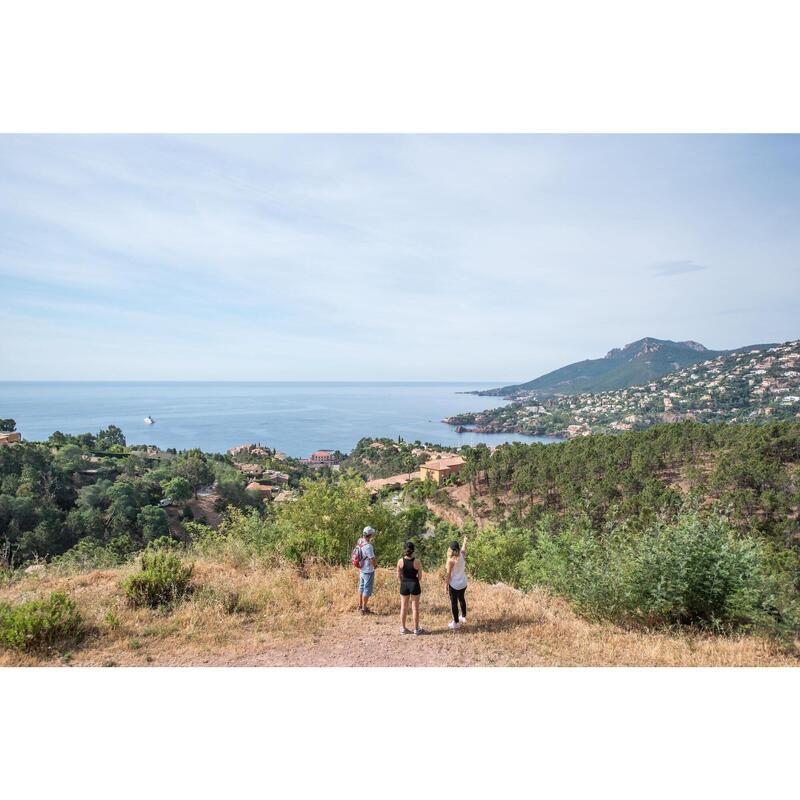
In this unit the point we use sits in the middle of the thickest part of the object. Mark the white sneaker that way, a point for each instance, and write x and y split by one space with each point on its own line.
462 619
404 631
454 626
419 631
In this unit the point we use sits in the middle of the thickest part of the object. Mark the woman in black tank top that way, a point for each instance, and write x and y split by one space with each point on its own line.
409 571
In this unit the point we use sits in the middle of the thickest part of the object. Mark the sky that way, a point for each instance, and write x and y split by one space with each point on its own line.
377 257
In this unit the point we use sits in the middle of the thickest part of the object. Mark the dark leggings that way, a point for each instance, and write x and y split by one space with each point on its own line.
457 598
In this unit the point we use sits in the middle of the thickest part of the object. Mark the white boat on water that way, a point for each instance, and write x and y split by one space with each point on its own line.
148 420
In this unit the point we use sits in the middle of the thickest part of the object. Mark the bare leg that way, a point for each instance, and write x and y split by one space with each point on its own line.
415 610
403 609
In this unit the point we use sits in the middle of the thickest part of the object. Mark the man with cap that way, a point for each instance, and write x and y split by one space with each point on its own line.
366 580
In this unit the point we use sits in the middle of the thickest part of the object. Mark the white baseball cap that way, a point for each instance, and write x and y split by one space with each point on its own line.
368 531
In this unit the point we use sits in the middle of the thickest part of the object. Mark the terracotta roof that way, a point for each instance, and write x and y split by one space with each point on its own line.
444 463
259 487
394 480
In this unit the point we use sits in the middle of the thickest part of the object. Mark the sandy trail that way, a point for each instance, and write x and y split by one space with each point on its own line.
374 640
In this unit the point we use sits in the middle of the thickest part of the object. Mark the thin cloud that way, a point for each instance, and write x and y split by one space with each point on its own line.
379 257
666 269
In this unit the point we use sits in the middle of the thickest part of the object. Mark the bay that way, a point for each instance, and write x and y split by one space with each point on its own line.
294 417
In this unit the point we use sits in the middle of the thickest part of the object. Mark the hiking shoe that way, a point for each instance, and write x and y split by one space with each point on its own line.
367 611
462 619
404 631
418 631
454 626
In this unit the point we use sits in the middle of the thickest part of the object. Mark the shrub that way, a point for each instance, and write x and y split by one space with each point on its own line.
699 571
242 536
695 571
163 580
494 554
91 554
40 624
327 519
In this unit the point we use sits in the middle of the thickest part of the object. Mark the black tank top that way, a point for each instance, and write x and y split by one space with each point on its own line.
409 572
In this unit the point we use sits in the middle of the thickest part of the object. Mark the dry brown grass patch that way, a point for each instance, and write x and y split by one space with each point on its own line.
258 615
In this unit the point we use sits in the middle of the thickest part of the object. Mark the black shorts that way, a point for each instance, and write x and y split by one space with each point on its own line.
410 587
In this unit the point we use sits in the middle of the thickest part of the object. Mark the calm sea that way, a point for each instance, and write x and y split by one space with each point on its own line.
296 418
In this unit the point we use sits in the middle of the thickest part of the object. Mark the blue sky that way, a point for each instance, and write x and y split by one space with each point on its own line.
387 257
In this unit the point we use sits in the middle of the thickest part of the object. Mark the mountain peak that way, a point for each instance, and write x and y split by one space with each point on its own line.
701 348
649 344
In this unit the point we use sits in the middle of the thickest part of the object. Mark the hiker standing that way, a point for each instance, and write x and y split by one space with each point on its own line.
366 563
409 571
456 582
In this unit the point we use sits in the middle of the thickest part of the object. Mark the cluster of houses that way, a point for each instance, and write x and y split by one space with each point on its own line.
729 388
256 450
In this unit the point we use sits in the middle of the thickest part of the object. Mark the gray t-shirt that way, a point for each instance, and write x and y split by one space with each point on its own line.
367 552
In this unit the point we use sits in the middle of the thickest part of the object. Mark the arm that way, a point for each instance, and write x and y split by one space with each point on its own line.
448 573
464 545
399 568
418 566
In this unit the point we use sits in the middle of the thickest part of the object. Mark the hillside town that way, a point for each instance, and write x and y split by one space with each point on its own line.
750 386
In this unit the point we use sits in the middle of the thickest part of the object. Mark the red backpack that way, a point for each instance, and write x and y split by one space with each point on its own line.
356 557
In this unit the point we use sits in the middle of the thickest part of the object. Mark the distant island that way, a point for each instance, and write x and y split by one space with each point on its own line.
752 384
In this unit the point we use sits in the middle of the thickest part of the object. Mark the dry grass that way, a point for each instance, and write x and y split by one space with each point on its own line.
252 615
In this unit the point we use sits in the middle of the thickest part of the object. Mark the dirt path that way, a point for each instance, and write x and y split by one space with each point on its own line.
374 641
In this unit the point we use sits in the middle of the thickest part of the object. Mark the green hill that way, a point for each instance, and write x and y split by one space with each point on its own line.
637 363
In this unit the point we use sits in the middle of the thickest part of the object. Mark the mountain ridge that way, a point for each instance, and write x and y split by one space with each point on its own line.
637 362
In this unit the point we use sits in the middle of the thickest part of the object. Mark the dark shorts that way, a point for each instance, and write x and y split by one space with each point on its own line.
410 588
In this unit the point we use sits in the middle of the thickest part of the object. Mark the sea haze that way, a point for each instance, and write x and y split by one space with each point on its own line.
295 417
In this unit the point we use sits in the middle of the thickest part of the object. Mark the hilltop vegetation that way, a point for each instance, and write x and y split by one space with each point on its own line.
743 386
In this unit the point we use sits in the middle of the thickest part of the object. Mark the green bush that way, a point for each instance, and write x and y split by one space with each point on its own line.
494 554
41 624
327 519
163 580
91 554
242 537
697 570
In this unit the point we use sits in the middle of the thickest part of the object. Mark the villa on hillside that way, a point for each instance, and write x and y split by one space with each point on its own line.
394 481
439 469
10 437
263 488
320 458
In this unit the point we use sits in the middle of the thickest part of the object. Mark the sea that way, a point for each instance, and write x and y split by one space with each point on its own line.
296 418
